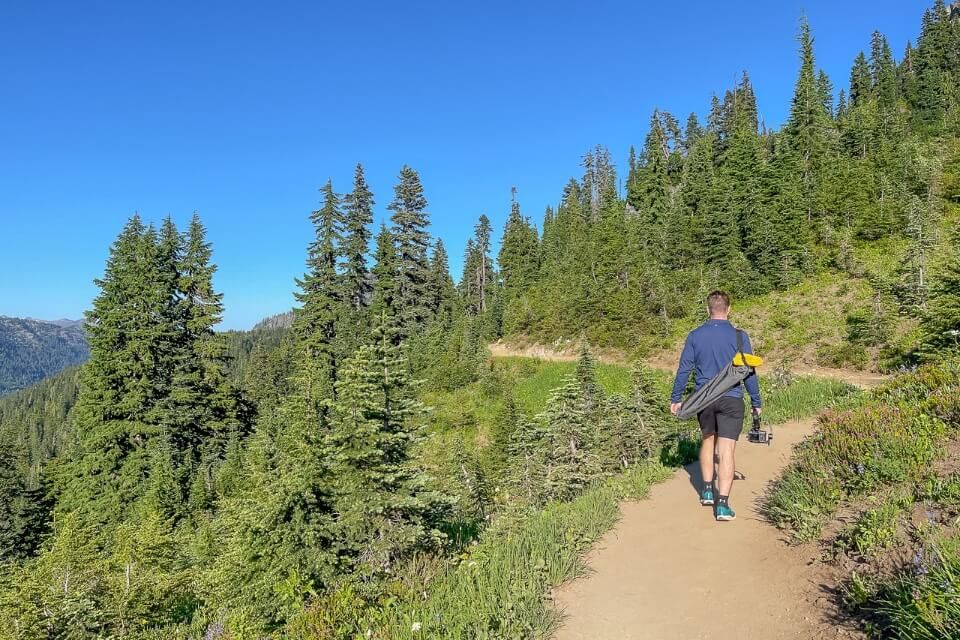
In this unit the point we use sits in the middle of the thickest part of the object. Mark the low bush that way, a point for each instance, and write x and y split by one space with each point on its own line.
890 439
497 591
921 601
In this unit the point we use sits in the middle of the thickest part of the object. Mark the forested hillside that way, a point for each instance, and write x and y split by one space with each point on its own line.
31 350
292 481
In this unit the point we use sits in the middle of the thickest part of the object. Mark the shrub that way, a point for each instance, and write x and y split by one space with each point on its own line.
891 439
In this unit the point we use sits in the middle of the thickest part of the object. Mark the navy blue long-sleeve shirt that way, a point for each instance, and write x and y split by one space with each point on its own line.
708 349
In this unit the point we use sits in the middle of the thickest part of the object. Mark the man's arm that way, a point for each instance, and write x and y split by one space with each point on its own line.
683 372
752 382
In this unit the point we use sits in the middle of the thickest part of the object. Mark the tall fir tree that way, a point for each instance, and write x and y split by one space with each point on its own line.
410 221
386 269
358 216
807 125
383 500
124 382
316 320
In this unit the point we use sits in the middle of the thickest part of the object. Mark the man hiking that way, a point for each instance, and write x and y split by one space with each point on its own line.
708 349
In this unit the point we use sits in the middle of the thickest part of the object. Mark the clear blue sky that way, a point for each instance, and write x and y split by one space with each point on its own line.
241 110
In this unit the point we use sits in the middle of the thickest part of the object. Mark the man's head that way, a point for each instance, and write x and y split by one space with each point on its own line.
718 304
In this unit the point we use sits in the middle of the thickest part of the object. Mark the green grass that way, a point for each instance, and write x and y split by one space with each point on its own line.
875 529
533 392
802 396
889 439
498 590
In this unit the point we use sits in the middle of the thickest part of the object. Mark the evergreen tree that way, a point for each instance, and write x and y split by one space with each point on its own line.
443 294
825 91
941 321
883 71
383 502
412 239
358 216
23 511
204 408
478 276
806 127
519 257
691 133
861 82
571 460
316 320
386 270
124 383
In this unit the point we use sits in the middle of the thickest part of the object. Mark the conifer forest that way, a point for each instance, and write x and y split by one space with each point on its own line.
363 468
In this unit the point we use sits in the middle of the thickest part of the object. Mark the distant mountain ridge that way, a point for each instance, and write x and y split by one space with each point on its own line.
278 321
31 350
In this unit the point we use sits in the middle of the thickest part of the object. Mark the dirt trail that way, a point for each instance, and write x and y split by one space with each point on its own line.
668 571
668 362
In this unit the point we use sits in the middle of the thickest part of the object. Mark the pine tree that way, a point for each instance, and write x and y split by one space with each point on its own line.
691 133
386 270
204 408
315 322
883 71
825 92
382 495
358 216
806 127
630 434
649 195
941 321
478 277
519 257
586 376
528 449
124 382
861 82
443 294
571 462
23 511
412 239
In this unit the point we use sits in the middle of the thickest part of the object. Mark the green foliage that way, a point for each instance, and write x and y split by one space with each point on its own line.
342 512
31 350
875 529
941 322
921 600
497 590
412 239
888 441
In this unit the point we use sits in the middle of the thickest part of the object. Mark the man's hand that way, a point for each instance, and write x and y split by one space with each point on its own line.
675 407
757 410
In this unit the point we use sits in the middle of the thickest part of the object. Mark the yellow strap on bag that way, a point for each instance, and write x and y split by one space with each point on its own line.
751 360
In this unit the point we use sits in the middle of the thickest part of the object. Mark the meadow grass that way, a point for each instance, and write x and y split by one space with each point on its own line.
802 396
498 590
889 438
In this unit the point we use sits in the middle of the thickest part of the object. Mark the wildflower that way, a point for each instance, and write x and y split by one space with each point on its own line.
214 631
920 567
415 627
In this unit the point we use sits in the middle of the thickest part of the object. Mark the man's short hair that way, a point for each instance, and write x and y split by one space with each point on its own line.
718 301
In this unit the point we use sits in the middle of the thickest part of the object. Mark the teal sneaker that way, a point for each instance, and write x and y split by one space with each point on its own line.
706 497
723 513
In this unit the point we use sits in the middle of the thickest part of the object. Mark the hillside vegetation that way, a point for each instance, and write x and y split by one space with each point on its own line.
878 485
370 472
31 350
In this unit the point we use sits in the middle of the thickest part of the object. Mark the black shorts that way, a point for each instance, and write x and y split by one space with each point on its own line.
724 417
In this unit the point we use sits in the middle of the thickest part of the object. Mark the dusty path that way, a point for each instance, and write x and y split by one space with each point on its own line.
668 362
667 571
